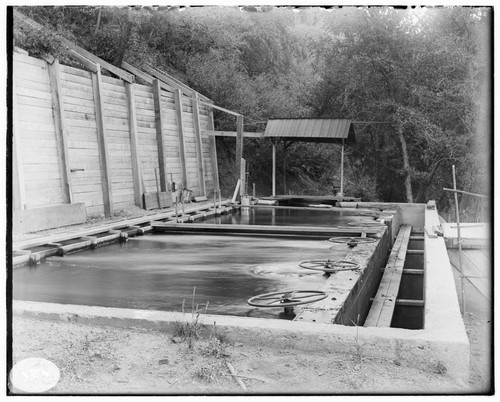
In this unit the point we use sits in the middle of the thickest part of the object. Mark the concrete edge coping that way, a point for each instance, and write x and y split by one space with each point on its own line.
424 349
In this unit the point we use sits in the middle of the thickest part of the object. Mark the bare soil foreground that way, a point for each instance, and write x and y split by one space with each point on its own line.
105 360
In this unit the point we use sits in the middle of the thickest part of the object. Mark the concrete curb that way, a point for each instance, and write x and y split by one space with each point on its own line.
432 351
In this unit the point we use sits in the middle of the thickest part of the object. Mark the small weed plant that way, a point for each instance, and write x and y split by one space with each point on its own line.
358 346
189 327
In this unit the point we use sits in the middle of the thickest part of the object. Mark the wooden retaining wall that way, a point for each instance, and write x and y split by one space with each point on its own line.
81 137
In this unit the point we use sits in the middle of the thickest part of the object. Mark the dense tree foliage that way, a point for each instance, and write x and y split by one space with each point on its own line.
417 83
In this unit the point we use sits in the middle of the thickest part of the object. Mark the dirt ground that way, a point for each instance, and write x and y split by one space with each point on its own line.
133 361
96 360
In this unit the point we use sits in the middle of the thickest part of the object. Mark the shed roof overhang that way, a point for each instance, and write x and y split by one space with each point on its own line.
311 130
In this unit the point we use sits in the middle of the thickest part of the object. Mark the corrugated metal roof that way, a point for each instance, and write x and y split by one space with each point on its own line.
317 130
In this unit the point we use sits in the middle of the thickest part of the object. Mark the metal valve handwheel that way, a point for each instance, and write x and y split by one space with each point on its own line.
352 241
366 224
329 266
287 299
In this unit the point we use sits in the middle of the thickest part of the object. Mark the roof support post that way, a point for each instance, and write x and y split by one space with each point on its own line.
284 167
239 142
342 170
274 169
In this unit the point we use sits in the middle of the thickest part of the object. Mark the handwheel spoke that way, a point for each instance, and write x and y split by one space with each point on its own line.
275 301
273 297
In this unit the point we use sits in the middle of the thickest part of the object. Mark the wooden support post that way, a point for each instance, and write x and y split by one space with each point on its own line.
134 146
243 177
342 170
238 184
180 130
19 190
159 133
61 132
459 239
239 142
284 167
101 139
274 169
199 144
213 154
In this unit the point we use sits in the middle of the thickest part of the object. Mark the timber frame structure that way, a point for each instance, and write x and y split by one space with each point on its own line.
78 137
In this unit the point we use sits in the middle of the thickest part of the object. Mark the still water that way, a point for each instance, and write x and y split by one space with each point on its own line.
159 271
287 217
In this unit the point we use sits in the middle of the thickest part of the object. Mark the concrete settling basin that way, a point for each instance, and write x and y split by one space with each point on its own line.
376 273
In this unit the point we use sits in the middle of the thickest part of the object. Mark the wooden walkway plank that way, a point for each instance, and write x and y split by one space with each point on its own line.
382 309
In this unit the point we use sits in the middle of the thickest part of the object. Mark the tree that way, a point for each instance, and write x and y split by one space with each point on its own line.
396 67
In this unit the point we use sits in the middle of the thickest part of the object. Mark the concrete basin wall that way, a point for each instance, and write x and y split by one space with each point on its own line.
441 346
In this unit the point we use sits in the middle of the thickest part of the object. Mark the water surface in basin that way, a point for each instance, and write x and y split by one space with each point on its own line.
159 271
288 217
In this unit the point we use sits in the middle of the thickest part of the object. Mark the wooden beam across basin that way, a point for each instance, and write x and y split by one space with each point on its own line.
264 229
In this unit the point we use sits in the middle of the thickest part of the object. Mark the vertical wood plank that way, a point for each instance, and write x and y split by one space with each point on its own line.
101 139
159 133
239 142
180 130
19 190
61 131
213 153
134 148
199 144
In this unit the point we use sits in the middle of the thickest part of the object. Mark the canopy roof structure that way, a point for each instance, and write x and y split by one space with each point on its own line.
312 130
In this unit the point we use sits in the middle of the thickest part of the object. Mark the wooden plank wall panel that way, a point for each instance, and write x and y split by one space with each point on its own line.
191 156
148 150
83 151
118 140
205 124
171 140
36 132
39 146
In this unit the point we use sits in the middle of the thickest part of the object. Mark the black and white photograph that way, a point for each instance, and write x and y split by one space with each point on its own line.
249 200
